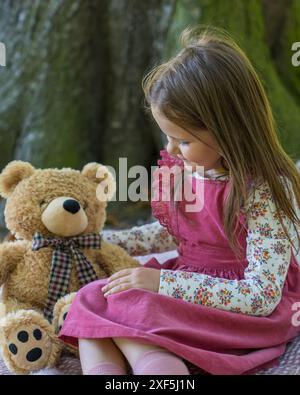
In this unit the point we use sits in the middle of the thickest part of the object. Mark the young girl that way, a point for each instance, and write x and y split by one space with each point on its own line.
226 302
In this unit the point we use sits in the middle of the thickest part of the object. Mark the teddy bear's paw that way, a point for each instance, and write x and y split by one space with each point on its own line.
61 310
29 346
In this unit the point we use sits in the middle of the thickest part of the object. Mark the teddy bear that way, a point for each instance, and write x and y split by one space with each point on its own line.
56 217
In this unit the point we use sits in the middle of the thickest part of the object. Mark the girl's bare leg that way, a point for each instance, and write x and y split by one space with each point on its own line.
95 351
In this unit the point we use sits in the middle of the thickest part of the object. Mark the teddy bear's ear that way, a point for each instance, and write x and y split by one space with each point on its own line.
12 174
101 175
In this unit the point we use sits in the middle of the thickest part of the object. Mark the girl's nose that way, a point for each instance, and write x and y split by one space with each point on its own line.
172 148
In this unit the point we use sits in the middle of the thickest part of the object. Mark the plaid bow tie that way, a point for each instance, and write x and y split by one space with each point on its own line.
61 266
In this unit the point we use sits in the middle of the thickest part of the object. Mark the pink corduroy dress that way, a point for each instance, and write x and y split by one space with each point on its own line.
215 340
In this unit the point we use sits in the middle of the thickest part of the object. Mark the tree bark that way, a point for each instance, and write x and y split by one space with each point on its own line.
71 91
282 33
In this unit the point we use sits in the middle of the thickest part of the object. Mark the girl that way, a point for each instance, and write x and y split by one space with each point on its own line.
226 302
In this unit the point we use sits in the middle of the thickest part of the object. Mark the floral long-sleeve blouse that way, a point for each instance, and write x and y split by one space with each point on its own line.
268 255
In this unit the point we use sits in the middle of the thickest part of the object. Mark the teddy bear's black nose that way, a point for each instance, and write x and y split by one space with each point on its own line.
71 205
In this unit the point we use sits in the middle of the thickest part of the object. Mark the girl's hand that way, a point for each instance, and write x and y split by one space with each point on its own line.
140 277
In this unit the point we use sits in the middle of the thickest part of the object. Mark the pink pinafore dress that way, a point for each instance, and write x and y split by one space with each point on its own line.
214 340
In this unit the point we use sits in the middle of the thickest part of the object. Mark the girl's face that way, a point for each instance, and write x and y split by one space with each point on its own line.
191 150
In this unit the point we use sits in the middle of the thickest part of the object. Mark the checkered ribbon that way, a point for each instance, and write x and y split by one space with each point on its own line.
65 250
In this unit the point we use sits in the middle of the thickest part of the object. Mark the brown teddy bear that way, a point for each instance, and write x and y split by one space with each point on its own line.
56 217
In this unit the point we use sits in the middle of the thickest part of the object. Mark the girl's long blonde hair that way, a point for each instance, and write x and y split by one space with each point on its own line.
211 84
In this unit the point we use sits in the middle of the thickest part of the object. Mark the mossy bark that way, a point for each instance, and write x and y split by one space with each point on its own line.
71 90
286 31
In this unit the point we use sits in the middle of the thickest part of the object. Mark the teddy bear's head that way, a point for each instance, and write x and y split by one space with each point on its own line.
62 202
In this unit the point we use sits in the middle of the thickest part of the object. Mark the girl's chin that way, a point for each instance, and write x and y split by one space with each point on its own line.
190 164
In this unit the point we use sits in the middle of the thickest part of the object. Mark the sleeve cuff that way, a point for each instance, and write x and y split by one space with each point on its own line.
165 282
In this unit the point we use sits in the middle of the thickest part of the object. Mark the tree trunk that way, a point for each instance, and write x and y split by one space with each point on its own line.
282 33
71 91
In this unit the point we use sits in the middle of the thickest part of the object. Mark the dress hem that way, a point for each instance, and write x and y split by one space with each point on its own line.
72 334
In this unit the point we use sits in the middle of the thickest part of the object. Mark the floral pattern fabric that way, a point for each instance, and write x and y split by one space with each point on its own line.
142 240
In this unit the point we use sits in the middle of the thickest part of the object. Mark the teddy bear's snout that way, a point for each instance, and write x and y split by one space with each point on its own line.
64 216
71 205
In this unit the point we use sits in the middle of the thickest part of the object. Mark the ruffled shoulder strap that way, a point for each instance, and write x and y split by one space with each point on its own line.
169 160
161 209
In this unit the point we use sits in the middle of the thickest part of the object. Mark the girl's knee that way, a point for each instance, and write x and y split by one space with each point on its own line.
95 351
125 342
132 349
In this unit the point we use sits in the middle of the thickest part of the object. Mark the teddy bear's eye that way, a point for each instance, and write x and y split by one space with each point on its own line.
42 203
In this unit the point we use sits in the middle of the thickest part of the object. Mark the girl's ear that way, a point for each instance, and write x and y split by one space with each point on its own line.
100 174
12 174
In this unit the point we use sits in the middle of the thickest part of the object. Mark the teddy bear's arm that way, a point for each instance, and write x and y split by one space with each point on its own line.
112 258
11 253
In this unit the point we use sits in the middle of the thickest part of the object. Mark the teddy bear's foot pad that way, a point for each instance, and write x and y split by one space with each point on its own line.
30 339
28 345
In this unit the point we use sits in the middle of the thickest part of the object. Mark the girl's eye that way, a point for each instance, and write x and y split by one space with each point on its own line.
184 143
